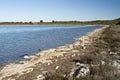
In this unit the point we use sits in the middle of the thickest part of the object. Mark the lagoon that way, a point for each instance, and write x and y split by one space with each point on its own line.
16 41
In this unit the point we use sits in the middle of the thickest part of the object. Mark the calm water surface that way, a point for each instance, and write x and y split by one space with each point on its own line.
16 41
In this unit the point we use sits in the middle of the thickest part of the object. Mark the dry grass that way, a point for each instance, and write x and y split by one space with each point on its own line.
98 52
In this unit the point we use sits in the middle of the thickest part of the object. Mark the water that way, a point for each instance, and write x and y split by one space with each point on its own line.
16 41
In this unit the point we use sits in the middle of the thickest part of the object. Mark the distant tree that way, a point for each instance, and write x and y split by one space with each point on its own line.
25 22
30 22
41 21
53 21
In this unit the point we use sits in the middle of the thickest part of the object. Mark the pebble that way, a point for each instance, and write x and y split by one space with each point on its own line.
40 77
57 67
26 57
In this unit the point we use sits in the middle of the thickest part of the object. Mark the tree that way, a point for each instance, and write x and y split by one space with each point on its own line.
30 22
53 21
41 21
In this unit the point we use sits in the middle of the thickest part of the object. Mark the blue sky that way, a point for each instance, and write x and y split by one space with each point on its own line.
60 10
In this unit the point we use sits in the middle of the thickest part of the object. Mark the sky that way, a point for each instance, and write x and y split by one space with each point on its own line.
58 10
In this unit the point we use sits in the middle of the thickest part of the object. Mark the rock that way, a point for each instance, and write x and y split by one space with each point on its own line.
73 55
76 44
50 58
26 57
56 60
57 67
83 65
77 64
40 77
80 70
11 79
83 71
28 70
82 38
113 53
116 64
48 64
103 62
52 50
71 46
84 47
44 72
42 54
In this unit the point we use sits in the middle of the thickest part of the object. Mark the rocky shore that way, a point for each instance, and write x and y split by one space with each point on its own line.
61 60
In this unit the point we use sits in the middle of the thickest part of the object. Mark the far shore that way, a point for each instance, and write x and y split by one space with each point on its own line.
96 22
49 25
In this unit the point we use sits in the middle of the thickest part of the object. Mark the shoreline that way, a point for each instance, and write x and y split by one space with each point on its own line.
52 25
47 55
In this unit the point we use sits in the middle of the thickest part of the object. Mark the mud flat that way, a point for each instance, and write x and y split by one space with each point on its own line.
48 56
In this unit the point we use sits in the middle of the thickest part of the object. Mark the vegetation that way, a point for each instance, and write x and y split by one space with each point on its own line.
41 21
116 21
53 22
112 37
98 53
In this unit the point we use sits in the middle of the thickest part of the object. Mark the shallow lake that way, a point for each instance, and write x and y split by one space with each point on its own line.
16 41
